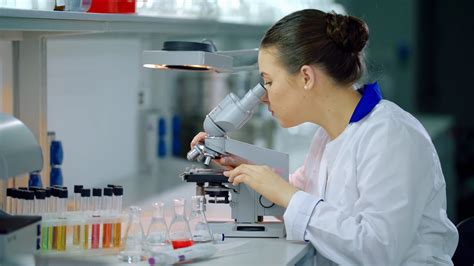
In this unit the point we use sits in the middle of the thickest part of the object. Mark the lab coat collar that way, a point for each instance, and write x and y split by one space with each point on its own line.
371 96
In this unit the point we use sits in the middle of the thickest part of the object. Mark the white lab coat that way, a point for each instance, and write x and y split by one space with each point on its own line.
375 195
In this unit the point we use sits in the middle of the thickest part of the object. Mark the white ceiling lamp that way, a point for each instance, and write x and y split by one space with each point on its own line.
196 56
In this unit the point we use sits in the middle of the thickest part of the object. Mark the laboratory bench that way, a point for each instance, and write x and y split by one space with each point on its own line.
144 190
234 251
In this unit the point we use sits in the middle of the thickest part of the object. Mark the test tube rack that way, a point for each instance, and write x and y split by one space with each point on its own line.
80 233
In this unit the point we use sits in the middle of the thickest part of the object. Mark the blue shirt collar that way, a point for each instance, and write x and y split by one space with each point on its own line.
371 96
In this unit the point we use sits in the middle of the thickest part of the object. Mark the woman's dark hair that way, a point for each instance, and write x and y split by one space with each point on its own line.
312 37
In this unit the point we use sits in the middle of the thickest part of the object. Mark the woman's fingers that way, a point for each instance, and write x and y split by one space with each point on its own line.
198 138
232 160
241 173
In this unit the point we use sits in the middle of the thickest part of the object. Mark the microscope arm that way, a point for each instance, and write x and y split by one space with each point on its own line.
254 154
232 113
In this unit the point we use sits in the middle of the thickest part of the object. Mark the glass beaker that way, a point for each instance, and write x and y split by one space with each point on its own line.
197 221
132 241
157 237
180 234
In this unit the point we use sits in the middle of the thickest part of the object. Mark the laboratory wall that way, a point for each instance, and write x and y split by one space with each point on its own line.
93 84
6 76
445 84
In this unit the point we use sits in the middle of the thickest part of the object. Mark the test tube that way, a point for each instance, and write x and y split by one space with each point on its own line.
54 212
14 200
61 228
107 208
19 201
76 235
47 231
40 203
8 206
77 196
41 209
96 207
117 206
85 207
28 204
49 200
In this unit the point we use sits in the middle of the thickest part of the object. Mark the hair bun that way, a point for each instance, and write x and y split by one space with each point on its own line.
349 33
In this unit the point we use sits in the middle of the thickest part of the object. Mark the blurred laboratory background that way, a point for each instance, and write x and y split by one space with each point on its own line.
77 73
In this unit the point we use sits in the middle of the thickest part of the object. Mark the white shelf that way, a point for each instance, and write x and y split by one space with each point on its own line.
36 20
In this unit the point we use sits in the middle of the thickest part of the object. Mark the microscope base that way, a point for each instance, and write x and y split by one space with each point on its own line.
258 230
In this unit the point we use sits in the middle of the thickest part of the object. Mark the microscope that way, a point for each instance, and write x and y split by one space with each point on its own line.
248 208
20 153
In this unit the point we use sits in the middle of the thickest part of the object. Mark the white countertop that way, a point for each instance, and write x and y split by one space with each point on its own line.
139 191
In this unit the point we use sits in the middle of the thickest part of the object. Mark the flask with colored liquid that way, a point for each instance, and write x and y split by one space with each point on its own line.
180 233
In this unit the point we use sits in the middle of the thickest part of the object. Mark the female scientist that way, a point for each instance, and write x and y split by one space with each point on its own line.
371 190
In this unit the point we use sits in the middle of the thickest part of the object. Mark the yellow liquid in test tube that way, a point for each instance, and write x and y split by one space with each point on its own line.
50 237
86 237
61 238
55 237
117 234
76 235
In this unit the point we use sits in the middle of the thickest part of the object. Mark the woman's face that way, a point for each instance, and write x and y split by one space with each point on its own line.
285 94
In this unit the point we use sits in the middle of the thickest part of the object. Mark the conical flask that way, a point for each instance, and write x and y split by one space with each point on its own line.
157 237
180 234
132 249
197 221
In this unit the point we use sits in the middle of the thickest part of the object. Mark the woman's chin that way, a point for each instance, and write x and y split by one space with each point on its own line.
286 124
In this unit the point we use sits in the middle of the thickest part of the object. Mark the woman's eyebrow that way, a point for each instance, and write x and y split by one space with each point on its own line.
263 74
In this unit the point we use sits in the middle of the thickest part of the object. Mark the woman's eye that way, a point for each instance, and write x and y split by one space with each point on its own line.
268 83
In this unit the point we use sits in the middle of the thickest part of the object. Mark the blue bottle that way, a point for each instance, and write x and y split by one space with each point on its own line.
56 160
56 176
176 140
161 132
35 180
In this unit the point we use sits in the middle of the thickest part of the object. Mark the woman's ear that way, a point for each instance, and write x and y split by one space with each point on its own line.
308 75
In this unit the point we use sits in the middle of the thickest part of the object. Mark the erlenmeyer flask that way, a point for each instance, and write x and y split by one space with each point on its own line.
132 242
157 238
180 234
197 221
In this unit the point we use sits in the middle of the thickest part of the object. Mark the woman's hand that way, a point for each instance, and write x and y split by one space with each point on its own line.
199 138
227 162
265 181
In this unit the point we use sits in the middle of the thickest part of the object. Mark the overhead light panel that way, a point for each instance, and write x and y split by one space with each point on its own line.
194 56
